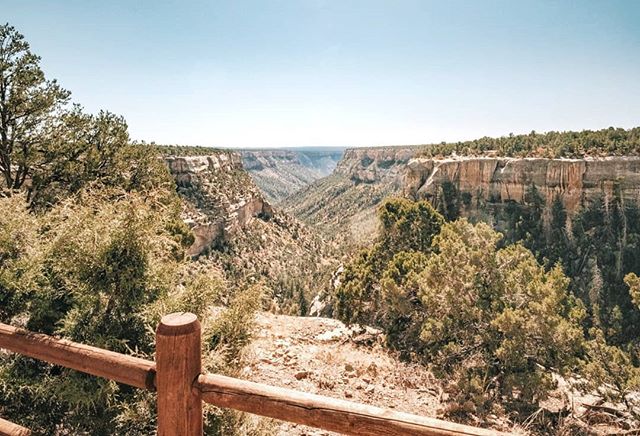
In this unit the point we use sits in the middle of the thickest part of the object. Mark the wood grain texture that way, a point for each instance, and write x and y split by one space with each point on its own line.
323 412
178 365
8 428
125 369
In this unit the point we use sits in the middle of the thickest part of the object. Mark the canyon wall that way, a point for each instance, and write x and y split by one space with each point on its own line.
376 164
219 196
498 180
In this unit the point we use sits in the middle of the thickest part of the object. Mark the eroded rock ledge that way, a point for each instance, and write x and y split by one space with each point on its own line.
500 179
219 195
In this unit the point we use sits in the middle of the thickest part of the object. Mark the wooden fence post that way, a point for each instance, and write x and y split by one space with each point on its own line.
178 365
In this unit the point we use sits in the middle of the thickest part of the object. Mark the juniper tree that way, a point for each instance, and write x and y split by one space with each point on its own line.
29 103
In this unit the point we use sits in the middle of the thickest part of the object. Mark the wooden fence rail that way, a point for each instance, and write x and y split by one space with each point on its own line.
181 388
10 429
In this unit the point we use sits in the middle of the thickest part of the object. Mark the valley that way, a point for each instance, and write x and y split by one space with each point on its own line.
183 267
281 173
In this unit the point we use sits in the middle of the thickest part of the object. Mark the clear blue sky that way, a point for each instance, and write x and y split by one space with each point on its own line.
314 72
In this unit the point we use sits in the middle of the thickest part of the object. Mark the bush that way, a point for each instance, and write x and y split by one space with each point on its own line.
496 321
490 321
87 270
405 227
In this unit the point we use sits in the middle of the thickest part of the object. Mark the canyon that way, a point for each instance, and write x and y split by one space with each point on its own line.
280 173
345 202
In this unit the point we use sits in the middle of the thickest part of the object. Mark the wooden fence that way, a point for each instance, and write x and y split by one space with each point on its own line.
181 387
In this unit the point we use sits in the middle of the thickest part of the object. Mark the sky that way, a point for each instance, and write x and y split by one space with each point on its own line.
285 73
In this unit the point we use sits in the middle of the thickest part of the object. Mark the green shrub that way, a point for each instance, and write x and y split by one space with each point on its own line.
496 322
405 227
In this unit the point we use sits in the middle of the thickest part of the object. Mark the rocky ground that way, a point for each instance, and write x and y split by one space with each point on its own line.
322 356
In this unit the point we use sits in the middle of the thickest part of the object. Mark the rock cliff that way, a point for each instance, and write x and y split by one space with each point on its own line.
374 165
219 197
498 180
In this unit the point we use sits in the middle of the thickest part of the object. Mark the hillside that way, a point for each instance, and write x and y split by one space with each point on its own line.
280 173
344 203
239 231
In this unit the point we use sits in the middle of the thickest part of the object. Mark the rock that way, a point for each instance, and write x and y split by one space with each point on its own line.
332 335
319 306
369 165
301 375
369 389
497 180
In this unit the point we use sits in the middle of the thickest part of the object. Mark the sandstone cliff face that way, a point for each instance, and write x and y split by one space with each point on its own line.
219 197
371 165
498 180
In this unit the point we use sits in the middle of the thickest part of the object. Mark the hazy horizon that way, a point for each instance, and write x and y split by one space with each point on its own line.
318 73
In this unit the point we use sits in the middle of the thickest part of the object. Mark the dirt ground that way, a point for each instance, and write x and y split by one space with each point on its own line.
322 356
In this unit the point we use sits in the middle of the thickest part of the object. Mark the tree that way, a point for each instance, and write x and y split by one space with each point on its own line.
29 103
557 249
405 227
495 320
96 150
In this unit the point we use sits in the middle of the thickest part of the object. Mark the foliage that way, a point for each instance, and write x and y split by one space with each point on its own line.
186 150
496 321
405 226
102 272
402 313
489 320
18 244
92 150
633 281
29 103
225 338
94 266
605 142
610 371
596 247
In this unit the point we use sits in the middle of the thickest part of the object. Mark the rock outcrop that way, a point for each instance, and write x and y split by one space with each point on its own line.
372 165
498 180
220 198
